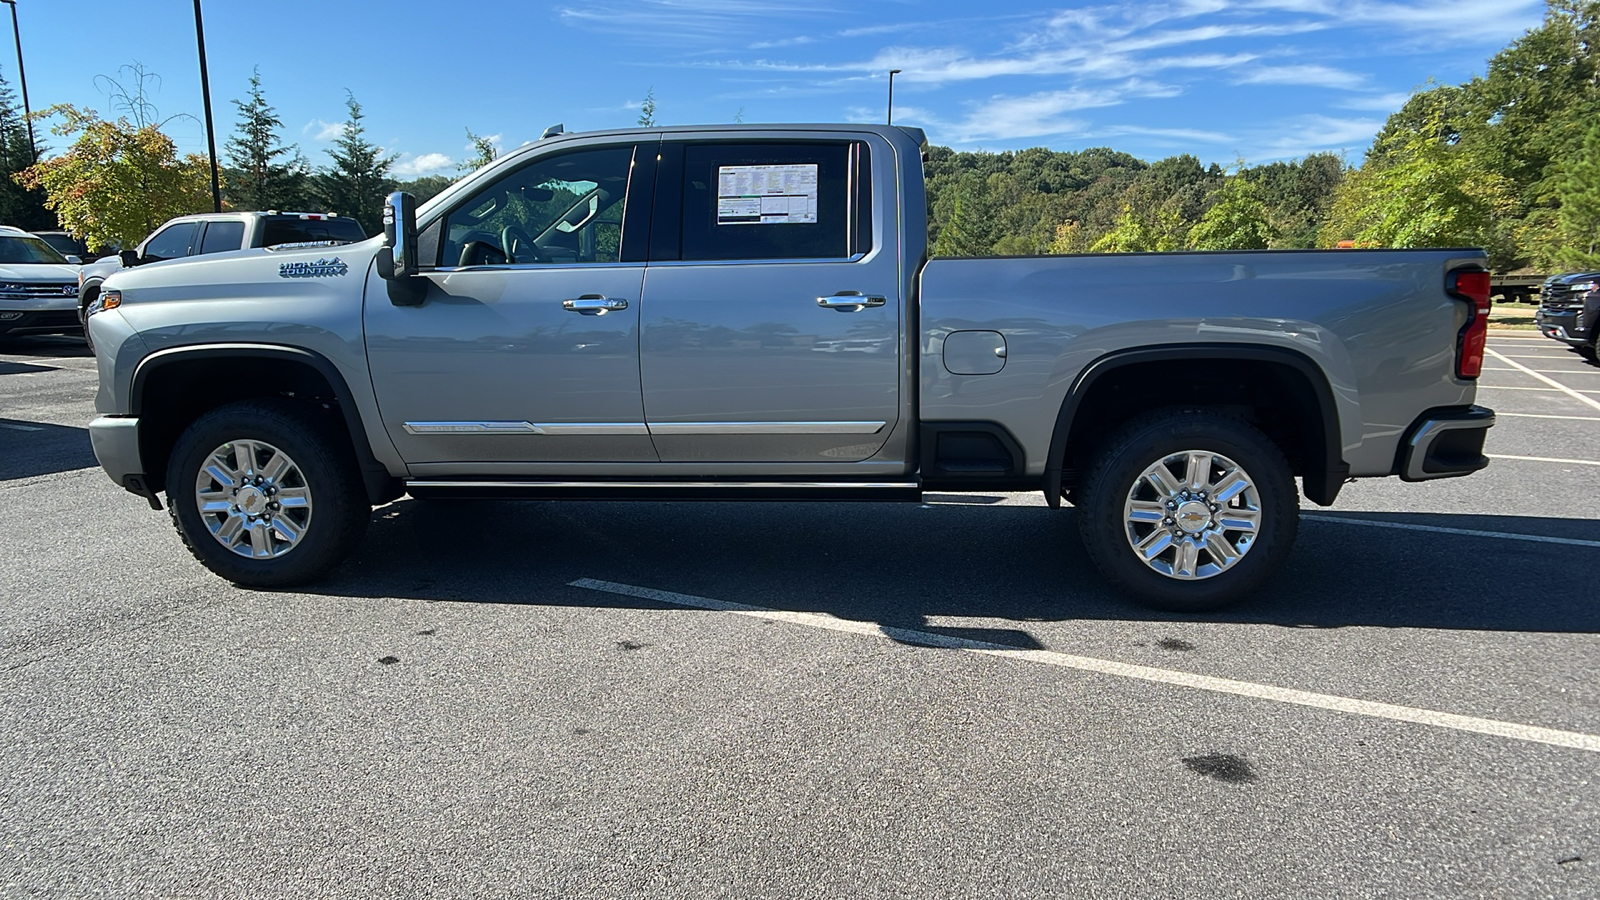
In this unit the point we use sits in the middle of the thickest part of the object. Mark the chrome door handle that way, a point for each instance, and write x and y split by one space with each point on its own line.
850 301
594 304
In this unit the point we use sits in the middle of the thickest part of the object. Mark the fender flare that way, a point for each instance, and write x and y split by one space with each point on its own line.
1326 470
381 487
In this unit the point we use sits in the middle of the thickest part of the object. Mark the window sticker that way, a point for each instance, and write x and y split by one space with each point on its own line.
767 195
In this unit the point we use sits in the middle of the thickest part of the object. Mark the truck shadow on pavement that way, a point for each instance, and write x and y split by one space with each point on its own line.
904 565
29 449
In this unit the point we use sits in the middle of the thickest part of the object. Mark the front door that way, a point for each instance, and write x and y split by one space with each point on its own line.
771 321
526 348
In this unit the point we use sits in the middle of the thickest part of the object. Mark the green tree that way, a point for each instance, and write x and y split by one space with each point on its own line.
19 205
1237 220
262 172
355 183
117 181
955 238
647 109
1421 191
483 152
425 187
1578 221
1158 232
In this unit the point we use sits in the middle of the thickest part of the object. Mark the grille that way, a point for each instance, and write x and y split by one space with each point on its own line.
15 291
1560 296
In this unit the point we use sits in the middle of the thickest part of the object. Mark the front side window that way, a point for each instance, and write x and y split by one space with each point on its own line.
222 236
768 201
171 242
560 209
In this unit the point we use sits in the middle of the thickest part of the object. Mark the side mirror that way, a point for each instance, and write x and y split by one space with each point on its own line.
74 260
130 258
397 258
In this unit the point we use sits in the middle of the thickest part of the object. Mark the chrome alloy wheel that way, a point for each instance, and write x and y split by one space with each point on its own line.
253 499
1193 514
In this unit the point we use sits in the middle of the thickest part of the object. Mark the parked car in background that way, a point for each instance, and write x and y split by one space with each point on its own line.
38 286
1569 311
217 233
67 245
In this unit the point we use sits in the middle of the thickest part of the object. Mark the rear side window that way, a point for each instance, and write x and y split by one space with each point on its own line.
295 230
171 242
222 236
772 201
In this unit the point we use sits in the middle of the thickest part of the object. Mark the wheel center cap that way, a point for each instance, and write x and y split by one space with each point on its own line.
1193 516
252 501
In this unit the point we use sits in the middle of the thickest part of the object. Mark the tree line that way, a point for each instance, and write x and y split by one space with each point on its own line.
1509 161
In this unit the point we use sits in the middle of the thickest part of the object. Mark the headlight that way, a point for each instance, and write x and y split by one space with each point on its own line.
1583 287
106 300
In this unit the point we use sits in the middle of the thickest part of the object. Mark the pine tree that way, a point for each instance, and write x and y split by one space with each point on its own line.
18 205
355 184
483 152
262 172
1579 217
647 109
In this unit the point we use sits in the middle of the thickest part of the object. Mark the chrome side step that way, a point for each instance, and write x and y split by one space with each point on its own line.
533 489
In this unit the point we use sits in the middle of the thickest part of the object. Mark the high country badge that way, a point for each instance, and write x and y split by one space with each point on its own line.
322 268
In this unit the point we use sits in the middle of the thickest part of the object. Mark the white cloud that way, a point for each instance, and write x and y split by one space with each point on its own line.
323 131
1384 103
408 166
1308 75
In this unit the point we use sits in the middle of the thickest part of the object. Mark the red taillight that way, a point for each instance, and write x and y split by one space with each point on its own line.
1472 287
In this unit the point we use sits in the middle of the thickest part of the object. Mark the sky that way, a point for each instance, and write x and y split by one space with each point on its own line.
1224 80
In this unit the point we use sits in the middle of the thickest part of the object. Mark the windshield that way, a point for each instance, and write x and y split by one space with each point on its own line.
23 250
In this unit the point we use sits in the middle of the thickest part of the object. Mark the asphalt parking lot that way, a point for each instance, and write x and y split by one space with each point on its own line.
804 700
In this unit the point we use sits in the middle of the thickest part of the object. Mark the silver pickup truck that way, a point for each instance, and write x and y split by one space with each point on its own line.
738 313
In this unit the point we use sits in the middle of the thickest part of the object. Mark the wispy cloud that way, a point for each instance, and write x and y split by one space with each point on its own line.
322 131
1305 75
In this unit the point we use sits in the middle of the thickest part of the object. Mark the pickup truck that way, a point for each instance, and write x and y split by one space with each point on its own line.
749 313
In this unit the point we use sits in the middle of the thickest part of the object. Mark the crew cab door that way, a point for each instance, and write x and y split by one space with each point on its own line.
771 318
526 346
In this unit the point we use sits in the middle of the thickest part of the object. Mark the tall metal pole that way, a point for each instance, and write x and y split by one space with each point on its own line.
892 74
22 76
205 96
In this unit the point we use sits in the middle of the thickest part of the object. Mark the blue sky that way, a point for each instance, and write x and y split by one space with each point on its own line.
1221 79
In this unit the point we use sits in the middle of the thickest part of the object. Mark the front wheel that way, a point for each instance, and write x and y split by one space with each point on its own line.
1188 510
266 493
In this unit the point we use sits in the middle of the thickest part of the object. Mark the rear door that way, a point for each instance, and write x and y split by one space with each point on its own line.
771 322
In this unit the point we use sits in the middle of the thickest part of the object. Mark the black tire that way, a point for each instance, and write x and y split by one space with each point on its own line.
1591 350
339 513
1117 469
83 314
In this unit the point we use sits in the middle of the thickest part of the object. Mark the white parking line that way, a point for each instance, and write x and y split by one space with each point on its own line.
20 427
1546 379
1507 387
1542 416
1573 739
1441 529
1573 462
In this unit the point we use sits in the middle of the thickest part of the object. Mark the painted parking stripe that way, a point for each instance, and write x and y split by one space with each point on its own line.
1544 378
1441 529
1504 415
1514 730
1548 459
1507 387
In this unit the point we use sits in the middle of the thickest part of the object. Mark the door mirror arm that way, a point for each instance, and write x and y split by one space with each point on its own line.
397 258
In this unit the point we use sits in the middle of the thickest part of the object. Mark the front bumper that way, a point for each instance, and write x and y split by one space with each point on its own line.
1564 325
39 320
1445 443
115 440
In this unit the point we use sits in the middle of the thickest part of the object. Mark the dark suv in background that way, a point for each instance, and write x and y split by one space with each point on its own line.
1569 311
217 233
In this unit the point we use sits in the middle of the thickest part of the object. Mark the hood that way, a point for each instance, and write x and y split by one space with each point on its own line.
34 273
1574 278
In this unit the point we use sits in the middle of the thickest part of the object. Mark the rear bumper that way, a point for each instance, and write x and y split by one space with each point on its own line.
1445 443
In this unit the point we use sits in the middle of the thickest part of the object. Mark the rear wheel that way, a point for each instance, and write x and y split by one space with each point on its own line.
1188 510
83 314
266 493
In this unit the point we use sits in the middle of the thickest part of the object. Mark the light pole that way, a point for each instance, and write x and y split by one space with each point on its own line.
22 76
205 96
892 74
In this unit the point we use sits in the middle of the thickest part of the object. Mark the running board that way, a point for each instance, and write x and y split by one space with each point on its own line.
485 489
